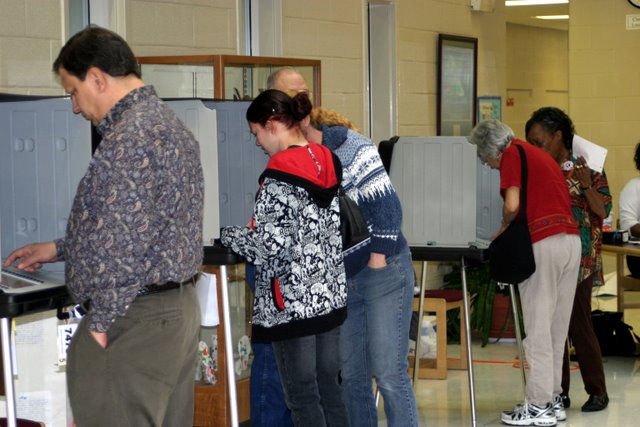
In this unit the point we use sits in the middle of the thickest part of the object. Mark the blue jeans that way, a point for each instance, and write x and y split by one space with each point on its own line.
268 408
374 342
309 368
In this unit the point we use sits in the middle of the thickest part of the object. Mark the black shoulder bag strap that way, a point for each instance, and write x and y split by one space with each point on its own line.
511 258
522 214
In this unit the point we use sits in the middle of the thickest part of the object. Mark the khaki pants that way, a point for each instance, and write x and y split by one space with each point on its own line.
145 376
547 300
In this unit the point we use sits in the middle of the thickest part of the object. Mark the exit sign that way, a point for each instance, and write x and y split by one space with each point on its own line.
633 22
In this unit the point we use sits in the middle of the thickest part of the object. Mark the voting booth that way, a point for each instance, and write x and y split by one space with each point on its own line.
448 198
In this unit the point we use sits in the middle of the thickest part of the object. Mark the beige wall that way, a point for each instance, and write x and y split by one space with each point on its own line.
604 86
181 27
174 27
419 23
537 73
333 32
604 75
32 33
30 38
603 57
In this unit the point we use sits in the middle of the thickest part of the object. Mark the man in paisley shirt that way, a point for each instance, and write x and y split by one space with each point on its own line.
133 245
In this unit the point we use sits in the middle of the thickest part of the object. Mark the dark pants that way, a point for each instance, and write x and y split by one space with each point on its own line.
309 368
268 408
145 376
585 343
633 262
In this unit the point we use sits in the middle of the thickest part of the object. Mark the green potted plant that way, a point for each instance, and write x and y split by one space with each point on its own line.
483 291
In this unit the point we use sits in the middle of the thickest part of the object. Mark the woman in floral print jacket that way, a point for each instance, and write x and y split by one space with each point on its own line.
294 240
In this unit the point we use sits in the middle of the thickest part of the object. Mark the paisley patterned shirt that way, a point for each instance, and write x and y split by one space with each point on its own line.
137 215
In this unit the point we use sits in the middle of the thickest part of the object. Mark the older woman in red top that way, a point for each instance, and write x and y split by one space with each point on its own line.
546 296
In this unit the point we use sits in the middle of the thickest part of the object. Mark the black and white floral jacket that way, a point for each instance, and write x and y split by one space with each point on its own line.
295 243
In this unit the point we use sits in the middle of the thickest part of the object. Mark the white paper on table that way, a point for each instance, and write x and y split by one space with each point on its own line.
208 298
36 405
594 155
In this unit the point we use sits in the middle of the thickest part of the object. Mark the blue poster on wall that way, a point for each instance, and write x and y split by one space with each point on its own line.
489 107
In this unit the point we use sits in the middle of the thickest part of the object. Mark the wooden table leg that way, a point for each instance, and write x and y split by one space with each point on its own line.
619 281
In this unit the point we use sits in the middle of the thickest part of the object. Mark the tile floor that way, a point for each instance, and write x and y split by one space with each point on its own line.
498 387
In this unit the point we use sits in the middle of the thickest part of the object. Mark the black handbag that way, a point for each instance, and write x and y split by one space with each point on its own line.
353 226
511 253
615 337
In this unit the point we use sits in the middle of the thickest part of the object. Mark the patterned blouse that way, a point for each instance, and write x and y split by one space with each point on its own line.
590 225
137 214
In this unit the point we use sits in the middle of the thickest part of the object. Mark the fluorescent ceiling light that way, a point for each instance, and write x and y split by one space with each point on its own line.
553 17
533 2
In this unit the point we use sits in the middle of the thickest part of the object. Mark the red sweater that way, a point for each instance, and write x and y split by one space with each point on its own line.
548 203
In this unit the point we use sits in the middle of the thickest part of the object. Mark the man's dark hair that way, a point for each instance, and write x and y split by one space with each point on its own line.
552 119
97 47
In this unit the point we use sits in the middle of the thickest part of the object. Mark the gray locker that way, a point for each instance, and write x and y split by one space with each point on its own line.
231 160
240 162
448 198
489 202
44 152
201 121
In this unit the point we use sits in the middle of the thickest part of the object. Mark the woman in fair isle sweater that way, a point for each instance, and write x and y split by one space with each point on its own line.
374 340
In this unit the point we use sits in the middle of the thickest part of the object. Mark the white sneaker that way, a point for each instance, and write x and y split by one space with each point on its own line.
528 414
558 408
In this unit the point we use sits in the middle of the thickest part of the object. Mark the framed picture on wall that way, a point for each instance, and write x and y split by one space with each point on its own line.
489 107
457 84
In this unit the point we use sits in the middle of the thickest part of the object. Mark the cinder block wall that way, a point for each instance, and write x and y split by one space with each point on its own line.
30 38
537 73
182 27
333 32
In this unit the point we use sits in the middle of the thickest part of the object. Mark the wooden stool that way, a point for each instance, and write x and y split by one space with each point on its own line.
440 301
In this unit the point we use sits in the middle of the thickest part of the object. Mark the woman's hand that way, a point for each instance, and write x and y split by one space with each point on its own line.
509 209
101 338
377 260
582 173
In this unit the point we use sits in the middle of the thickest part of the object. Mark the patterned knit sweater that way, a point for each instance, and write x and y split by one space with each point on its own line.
367 183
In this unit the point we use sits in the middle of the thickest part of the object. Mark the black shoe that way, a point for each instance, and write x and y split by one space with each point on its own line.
566 402
596 403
